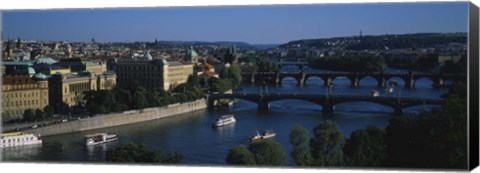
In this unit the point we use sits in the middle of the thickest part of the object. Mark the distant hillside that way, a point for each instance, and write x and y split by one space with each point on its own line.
394 41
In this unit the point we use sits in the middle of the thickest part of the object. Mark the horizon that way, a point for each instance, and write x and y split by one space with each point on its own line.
199 41
255 25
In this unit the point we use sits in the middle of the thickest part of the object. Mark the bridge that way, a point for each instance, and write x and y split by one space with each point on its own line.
299 64
327 102
275 78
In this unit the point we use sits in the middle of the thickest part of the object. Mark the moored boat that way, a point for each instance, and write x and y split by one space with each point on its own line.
264 135
99 138
224 120
19 139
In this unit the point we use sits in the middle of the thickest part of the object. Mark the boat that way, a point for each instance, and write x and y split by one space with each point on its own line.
375 93
264 135
19 139
390 90
99 138
224 120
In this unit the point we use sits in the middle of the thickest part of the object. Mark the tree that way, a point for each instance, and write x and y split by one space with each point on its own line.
139 100
240 156
366 147
327 145
29 115
233 73
39 115
301 150
268 152
48 111
132 153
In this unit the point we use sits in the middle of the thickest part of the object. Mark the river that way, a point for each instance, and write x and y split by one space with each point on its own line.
192 135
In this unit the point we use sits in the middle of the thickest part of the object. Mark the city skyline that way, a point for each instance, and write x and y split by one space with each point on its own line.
274 24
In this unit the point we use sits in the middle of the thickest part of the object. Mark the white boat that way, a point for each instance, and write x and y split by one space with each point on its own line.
375 93
264 135
224 120
19 139
99 138
390 90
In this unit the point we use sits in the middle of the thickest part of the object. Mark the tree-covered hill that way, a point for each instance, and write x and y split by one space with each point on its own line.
392 41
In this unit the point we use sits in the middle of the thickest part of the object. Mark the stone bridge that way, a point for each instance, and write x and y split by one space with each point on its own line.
328 77
327 102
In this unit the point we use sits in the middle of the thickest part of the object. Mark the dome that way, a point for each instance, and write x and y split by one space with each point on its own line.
40 76
31 71
148 56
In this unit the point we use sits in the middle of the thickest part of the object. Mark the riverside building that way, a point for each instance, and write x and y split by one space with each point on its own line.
22 92
69 88
151 74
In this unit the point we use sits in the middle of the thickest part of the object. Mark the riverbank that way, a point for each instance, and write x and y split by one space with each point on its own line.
117 119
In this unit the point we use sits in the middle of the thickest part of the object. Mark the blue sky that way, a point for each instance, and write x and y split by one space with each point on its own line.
251 24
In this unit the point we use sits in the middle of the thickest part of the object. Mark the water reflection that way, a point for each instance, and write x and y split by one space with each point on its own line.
20 152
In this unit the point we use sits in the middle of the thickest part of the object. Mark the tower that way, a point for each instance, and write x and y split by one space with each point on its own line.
18 43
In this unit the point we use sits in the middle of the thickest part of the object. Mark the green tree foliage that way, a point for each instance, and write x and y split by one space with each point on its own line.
219 85
268 152
366 148
39 115
354 63
327 145
48 111
240 156
301 149
434 139
132 153
139 100
233 74
29 115
100 102
260 64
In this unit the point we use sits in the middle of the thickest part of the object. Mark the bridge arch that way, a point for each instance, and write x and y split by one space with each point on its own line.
288 80
396 79
424 82
309 102
368 81
361 105
314 80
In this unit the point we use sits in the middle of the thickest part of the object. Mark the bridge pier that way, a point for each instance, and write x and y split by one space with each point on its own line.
327 81
210 103
381 82
398 110
354 81
263 105
301 80
438 82
328 109
252 79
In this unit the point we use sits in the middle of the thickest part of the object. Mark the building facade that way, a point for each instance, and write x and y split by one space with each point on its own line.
151 74
22 92
70 88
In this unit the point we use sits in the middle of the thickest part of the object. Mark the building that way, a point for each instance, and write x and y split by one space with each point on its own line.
22 92
191 56
151 74
77 65
69 88
18 68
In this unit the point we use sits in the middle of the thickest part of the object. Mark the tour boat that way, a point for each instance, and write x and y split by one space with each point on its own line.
375 93
99 138
19 139
264 135
224 120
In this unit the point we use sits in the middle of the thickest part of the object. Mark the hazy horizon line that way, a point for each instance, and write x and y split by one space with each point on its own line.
200 41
